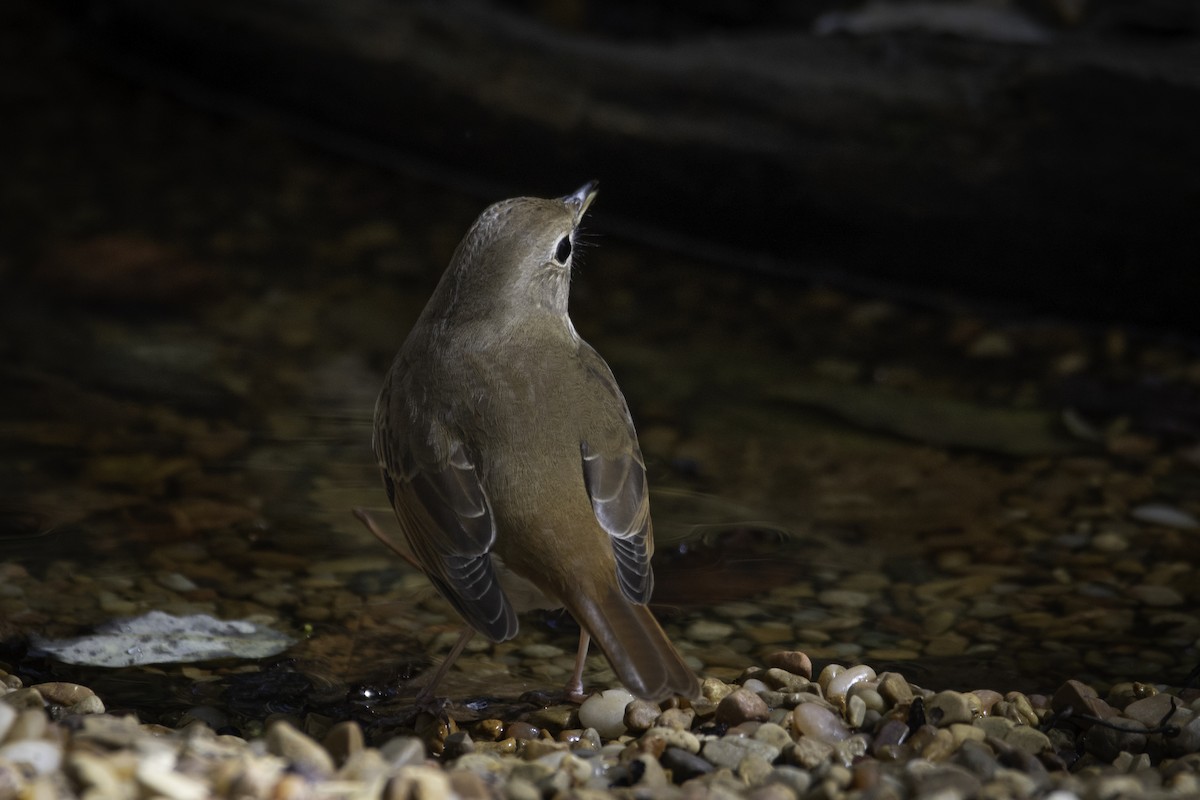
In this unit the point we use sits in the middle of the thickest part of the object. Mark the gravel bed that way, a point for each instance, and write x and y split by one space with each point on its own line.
775 732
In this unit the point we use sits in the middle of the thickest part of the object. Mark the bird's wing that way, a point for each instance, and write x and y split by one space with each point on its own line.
615 476
432 483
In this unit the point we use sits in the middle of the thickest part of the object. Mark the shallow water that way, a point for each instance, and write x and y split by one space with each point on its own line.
197 316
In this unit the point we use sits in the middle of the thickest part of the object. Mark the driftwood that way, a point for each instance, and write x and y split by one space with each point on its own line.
1054 166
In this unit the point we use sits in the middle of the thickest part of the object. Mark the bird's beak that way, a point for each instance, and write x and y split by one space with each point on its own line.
579 200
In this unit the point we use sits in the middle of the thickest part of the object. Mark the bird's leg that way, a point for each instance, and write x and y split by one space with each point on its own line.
372 525
575 685
426 694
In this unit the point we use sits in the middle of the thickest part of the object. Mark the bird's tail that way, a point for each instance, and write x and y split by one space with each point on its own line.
636 646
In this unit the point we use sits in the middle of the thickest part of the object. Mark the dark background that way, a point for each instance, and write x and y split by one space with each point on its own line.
1044 156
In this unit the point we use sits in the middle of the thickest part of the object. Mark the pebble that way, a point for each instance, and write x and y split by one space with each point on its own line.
811 719
282 739
641 715
41 756
401 751
839 685
684 765
705 630
792 661
1164 515
947 708
1159 596
728 751
8 715
741 705
605 711
344 739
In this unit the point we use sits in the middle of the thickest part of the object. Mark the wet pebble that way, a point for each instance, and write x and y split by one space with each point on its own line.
605 711
812 719
792 661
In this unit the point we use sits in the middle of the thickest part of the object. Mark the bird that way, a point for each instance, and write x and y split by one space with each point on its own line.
510 458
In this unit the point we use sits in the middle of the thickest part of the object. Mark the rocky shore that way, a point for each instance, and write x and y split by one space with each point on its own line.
775 733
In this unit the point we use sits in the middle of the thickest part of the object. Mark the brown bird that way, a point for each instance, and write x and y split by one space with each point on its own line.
510 458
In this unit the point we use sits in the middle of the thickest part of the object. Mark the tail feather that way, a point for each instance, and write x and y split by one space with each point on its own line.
636 646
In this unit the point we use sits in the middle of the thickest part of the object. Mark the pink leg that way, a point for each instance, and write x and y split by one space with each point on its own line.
575 685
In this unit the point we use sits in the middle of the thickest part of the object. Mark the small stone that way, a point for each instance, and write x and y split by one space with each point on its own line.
728 751
1165 515
156 773
22 699
1158 596
653 777
810 753
774 735
468 786
605 711
895 689
978 758
300 751
943 780
948 708
680 718
995 727
8 715
1106 743
856 711
343 740
1151 711
365 766
41 756
1075 696
402 751
457 744
62 693
418 782
673 737
706 630
1029 739
88 705
29 724
795 779
641 715
890 734
98 776
785 681
811 719
839 685
741 706
684 765
753 769
793 661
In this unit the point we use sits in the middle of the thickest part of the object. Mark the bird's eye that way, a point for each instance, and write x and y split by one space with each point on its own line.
563 251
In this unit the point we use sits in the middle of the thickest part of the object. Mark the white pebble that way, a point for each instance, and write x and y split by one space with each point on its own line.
8 715
840 684
811 719
44 757
156 773
606 712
